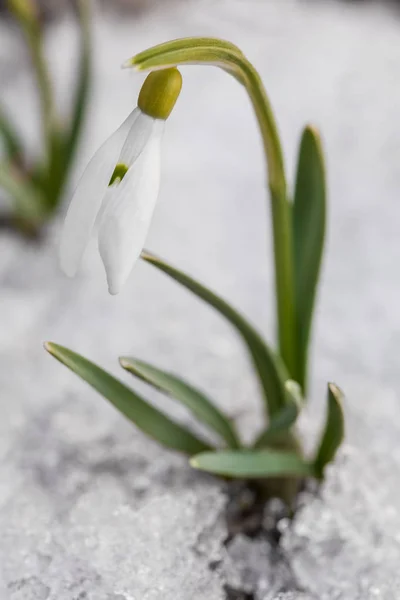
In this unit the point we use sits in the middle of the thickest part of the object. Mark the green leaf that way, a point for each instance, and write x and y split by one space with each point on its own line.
28 204
158 56
12 143
334 430
248 464
309 215
286 312
83 84
64 140
56 172
265 363
26 14
189 396
284 419
294 392
147 418
191 51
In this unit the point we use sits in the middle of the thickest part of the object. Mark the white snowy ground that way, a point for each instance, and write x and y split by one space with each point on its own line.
91 509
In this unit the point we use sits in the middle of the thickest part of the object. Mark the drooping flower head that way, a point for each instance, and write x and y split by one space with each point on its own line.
119 187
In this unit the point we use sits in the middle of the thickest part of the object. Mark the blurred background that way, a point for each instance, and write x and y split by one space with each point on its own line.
332 63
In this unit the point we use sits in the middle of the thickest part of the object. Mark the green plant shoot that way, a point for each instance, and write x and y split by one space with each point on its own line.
298 231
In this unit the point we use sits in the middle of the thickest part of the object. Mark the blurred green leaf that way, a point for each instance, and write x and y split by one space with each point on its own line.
284 419
193 399
265 363
26 13
64 140
252 464
309 215
27 202
12 143
56 173
147 418
83 84
294 392
61 144
334 430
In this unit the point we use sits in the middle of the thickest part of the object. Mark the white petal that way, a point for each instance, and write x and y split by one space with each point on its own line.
137 138
129 207
88 196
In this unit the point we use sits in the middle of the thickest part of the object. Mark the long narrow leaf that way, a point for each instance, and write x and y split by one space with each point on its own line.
334 430
65 139
147 418
309 215
83 83
193 399
55 178
249 464
12 143
27 202
265 363
26 13
284 419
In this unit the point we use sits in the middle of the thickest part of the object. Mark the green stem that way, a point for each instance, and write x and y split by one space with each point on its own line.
281 220
230 58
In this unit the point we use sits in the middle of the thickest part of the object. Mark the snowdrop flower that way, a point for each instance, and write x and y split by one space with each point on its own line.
119 188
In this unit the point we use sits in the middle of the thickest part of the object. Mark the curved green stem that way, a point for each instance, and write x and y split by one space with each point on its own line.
230 58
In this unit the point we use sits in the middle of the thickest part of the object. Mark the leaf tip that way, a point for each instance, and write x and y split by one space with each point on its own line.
335 389
337 393
334 432
49 347
312 129
129 63
312 132
149 257
145 254
194 462
124 362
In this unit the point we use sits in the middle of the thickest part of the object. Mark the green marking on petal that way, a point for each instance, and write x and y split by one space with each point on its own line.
119 173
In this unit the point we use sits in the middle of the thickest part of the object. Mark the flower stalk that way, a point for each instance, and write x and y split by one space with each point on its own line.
228 57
